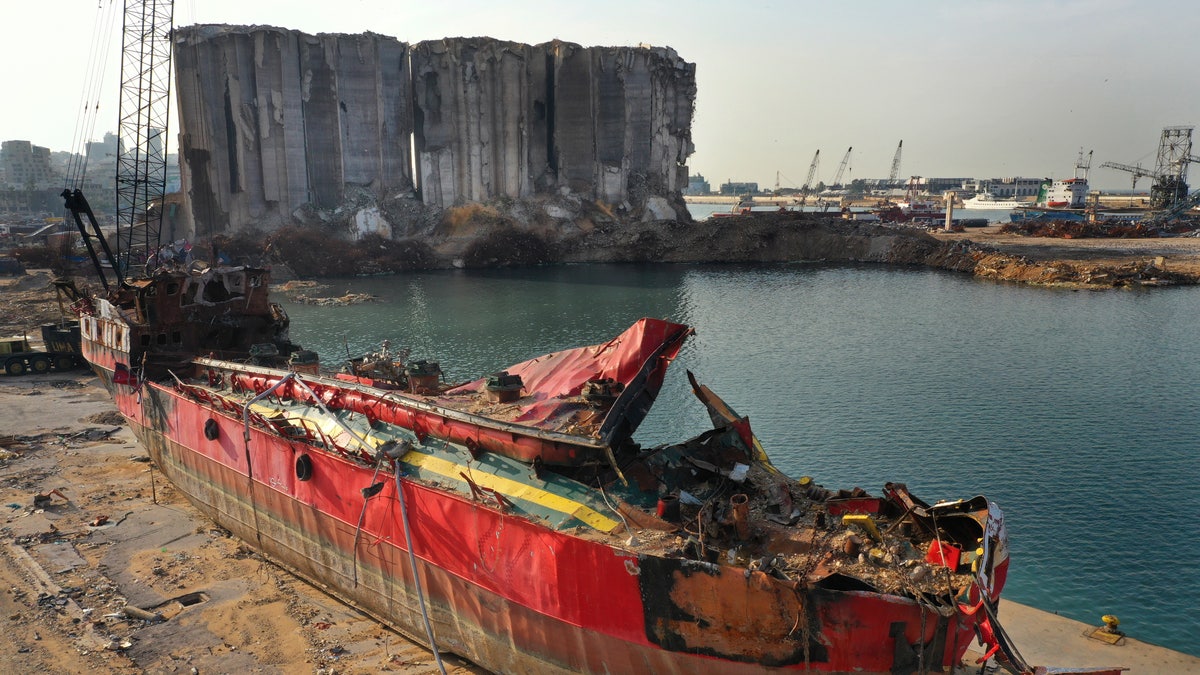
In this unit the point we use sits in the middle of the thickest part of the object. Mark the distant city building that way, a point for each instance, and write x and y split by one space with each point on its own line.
104 151
1004 187
732 188
32 177
26 165
937 186
697 185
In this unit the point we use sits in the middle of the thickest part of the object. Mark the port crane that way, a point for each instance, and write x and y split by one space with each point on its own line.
778 175
1136 172
806 189
1170 168
142 161
895 166
837 178
1085 166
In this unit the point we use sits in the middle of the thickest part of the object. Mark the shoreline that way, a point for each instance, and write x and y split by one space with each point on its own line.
986 253
124 535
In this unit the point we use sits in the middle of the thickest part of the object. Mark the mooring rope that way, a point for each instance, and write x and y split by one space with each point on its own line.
412 561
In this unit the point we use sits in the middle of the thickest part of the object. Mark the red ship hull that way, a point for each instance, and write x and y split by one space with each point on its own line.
637 360
504 591
507 593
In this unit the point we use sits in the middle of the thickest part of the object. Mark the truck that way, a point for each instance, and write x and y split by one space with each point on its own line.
62 351
10 267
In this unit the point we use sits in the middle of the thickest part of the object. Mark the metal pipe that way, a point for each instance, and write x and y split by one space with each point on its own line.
317 400
740 504
246 447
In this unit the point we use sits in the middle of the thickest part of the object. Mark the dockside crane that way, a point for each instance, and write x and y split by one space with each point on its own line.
1170 168
1084 165
142 161
895 166
778 175
806 190
837 178
1136 172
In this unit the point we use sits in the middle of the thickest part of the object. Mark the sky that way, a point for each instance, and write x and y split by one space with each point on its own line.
974 88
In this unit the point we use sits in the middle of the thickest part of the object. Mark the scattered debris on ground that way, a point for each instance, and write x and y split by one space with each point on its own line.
105 567
1081 229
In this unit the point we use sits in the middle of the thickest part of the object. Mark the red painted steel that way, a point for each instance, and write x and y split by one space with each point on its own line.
637 358
503 590
495 581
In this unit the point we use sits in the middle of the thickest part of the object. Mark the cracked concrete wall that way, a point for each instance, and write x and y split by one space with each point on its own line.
273 120
499 119
474 102
623 118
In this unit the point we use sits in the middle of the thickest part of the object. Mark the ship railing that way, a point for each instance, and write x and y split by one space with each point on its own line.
291 428
367 453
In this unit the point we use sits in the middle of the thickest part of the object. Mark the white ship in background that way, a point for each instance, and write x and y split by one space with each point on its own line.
985 200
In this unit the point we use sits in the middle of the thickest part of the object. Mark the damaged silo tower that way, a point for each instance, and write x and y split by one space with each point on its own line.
480 119
274 120
500 119
622 121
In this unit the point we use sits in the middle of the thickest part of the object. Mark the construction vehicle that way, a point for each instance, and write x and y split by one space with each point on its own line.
895 167
837 178
62 352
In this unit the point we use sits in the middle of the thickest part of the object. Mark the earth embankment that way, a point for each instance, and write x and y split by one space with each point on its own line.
779 237
27 301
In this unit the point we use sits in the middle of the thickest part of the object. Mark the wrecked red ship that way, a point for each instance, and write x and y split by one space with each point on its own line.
514 521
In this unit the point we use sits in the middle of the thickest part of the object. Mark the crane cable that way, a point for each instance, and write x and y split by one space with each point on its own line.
93 84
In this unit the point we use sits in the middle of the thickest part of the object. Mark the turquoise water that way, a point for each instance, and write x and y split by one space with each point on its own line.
1076 411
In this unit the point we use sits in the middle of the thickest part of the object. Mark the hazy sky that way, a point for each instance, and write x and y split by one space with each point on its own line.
974 88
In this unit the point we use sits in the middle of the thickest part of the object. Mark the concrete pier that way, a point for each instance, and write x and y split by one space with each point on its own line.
1046 639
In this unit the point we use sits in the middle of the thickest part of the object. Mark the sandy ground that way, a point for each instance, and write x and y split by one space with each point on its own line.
27 302
122 536
1180 254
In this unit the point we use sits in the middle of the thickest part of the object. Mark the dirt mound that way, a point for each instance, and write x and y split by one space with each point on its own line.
35 281
26 302
107 418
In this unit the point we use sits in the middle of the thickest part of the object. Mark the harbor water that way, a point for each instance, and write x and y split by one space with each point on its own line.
1077 412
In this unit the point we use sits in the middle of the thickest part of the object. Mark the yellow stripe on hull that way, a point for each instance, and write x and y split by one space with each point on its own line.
505 486
515 490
